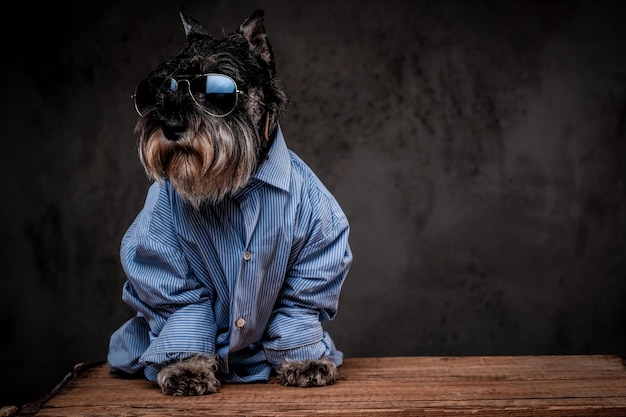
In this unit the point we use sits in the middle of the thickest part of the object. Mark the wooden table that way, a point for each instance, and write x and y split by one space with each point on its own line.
394 386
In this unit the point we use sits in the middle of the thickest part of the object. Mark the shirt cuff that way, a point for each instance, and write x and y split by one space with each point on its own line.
325 348
189 330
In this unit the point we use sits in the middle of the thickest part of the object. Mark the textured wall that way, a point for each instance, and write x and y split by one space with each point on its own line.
478 148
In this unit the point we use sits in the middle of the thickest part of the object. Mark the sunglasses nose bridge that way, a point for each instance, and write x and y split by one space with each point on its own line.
189 92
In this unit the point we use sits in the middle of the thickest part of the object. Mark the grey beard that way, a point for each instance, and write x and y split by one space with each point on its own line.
207 164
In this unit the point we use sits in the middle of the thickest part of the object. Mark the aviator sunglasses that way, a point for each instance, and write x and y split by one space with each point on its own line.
216 94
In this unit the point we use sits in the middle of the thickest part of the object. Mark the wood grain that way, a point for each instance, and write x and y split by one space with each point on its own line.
400 386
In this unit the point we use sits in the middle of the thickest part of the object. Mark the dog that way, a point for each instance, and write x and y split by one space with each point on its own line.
240 252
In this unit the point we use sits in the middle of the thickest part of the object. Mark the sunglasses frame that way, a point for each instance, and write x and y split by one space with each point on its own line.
188 79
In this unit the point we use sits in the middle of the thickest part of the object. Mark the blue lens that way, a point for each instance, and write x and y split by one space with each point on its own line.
218 93
219 84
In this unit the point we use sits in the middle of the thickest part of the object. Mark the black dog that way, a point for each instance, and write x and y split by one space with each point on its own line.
240 252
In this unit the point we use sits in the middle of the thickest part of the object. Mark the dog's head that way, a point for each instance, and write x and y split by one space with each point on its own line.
207 115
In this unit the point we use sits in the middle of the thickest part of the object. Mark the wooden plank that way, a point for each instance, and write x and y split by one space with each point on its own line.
401 386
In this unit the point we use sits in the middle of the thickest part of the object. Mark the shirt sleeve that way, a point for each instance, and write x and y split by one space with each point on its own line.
162 288
310 294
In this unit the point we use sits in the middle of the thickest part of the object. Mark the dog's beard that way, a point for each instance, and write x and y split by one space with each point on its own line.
207 163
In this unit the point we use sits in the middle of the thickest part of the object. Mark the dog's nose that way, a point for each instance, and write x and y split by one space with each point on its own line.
173 132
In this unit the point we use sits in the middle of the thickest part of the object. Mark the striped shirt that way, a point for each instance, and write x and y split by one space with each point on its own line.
250 279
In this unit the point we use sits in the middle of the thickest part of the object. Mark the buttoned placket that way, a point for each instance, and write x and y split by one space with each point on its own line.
241 321
241 315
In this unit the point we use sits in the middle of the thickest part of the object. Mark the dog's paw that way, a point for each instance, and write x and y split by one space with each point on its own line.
310 373
192 376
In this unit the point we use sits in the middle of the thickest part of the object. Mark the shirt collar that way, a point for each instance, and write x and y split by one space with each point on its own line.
276 168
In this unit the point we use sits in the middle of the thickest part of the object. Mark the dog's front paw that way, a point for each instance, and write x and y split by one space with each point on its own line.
192 376
310 373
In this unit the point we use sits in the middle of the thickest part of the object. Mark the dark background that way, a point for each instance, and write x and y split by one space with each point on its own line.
477 147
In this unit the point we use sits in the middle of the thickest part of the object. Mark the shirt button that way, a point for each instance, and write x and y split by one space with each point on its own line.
247 255
240 322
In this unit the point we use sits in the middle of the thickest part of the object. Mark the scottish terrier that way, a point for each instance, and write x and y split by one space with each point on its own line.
240 252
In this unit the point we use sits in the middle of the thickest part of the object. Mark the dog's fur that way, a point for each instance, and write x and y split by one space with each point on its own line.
208 158
178 142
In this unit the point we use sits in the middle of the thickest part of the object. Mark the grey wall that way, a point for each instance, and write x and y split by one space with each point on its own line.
478 148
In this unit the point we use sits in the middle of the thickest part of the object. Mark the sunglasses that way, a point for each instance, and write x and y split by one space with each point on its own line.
215 94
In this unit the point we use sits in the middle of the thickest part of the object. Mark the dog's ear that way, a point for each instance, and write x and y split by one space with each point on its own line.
193 28
253 30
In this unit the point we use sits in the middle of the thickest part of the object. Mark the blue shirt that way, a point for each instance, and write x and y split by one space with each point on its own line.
250 279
